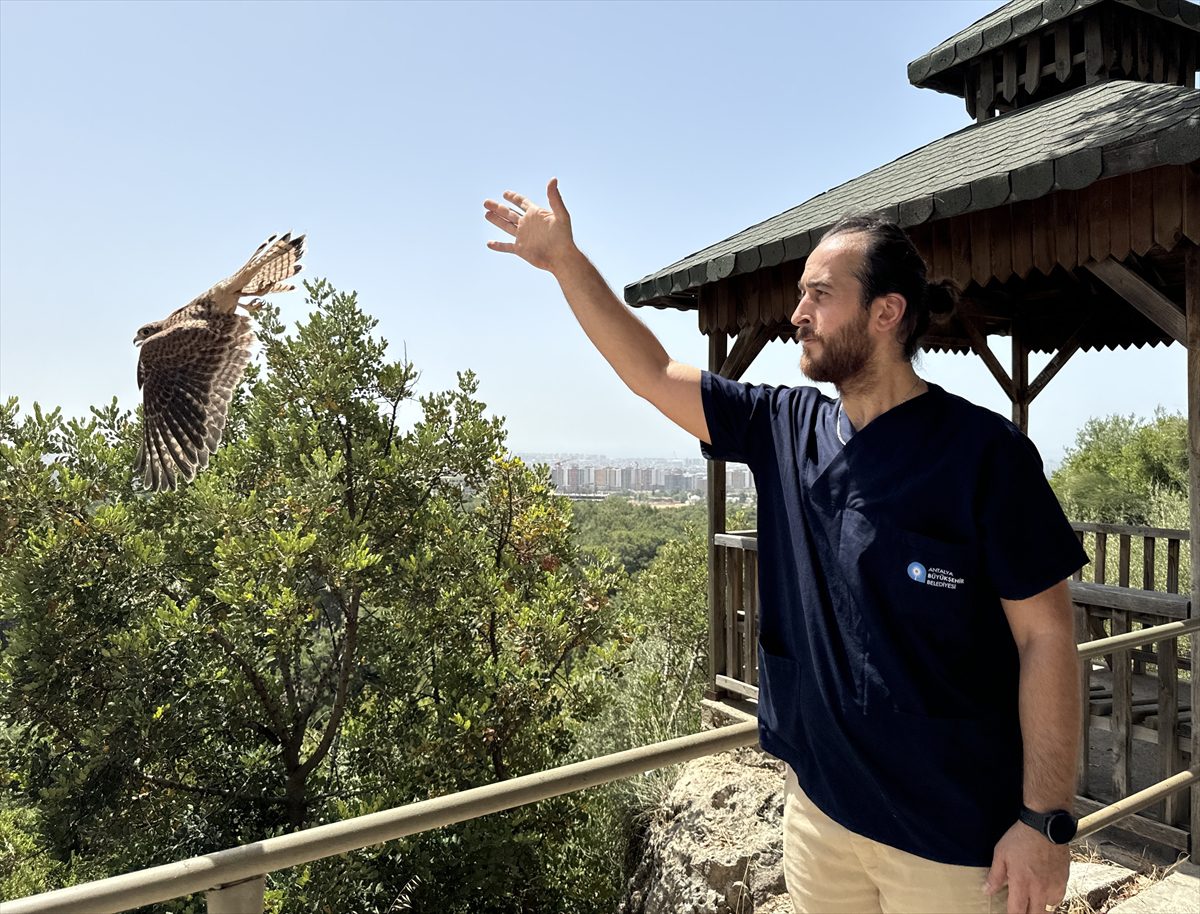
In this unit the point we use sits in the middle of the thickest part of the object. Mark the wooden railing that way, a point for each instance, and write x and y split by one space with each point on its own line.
1156 550
1138 578
735 618
1137 559
1114 709
1141 693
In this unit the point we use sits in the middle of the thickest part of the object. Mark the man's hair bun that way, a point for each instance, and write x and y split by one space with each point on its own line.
942 298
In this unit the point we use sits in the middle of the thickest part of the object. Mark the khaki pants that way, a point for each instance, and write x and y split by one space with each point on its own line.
831 870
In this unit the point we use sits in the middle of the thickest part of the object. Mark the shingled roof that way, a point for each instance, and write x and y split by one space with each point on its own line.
1066 142
1019 18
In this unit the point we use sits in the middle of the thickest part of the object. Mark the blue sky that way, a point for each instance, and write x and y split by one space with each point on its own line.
146 149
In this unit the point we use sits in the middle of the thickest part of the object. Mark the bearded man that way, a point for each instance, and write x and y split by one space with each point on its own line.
917 664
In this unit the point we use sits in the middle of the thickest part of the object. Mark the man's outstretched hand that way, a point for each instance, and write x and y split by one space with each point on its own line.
541 236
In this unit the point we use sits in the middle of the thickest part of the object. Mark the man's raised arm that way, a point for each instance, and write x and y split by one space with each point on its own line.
543 238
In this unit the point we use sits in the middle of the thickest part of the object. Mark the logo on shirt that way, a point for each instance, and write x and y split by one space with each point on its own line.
933 577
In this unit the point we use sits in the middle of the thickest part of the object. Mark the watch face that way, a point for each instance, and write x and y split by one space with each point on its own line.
1061 827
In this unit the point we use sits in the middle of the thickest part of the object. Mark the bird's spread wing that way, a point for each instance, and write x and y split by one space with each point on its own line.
188 373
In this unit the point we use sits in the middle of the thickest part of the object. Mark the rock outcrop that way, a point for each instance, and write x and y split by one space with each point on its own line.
716 846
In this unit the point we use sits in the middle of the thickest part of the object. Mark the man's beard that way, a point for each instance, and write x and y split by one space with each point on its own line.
842 356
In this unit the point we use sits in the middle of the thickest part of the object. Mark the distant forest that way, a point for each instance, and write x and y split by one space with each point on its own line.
634 532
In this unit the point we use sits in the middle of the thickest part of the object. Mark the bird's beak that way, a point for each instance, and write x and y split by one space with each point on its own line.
136 341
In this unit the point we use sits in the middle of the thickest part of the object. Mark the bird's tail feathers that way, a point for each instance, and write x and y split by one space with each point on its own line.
274 262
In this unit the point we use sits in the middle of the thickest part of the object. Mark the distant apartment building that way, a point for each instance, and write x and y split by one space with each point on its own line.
573 476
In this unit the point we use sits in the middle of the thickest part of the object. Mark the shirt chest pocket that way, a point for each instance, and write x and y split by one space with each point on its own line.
901 572
917 600
939 577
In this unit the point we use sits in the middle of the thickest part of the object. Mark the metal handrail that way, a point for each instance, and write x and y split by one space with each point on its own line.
1119 644
1136 802
251 861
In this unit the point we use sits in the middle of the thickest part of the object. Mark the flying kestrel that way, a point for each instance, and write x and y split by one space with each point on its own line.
192 360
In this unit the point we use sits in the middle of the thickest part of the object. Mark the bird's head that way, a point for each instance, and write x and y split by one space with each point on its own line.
145 332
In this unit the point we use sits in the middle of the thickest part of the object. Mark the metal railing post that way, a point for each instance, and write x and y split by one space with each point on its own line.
238 898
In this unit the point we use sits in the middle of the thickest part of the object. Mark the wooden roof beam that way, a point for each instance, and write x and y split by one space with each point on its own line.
979 344
750 343
1068 349
1161 311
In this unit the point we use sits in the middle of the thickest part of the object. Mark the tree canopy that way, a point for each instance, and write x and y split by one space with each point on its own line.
1123 469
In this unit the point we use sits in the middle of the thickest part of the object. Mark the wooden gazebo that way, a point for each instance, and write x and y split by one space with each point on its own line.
1069 215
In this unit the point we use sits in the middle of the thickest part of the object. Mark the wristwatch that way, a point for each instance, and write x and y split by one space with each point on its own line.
1057 825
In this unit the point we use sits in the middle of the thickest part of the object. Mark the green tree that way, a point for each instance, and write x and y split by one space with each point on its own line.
1121 466
670 601
340 614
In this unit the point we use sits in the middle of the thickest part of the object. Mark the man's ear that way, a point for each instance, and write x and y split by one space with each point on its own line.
888 310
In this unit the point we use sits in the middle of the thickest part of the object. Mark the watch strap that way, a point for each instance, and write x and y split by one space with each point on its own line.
1041 822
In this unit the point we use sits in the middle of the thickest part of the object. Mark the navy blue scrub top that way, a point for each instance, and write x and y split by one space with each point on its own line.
888 673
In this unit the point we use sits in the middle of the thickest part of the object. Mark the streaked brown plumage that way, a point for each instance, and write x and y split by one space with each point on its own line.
192 360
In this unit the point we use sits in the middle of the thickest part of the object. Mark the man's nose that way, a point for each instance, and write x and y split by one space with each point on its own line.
800 315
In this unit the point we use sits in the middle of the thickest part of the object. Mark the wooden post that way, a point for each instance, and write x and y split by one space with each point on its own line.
1122 711
718 345
752 617
733 568
240 898
1192 287
1085 697
1168 721
1020 381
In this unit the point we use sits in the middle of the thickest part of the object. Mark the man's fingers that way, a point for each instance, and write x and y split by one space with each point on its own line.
996 876
519 200
501 223
1019 899
556 201
1039 901
503 247
502 211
